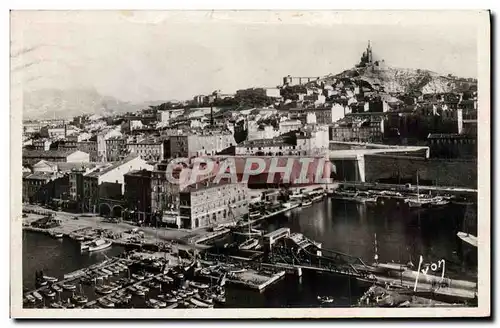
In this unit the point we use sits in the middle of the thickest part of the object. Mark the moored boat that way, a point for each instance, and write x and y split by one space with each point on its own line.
468 238
38 296
68 286
197 302
306 203
99 244
49 293
57 288
106 303
325 299
56 234
198 285
30 299
104 290
80 299
50 279
56 305
137 276
249 244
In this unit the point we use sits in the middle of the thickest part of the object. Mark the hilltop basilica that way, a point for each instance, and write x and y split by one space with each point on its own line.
368 61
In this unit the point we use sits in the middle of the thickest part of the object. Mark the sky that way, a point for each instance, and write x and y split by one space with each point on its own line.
146 56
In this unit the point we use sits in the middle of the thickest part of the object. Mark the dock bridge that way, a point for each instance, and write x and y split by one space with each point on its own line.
297 251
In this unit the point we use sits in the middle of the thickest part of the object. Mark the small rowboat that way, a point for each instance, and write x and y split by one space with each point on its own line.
468 238
57 288
50 279
198 285
30 298
49 293
325 299
68 286
38 296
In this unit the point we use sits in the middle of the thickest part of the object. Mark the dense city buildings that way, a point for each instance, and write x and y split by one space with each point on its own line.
124 158
206 203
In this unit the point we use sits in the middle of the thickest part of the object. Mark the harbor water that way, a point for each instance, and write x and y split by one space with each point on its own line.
402 235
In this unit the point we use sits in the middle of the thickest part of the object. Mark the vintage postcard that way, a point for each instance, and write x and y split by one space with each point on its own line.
250 164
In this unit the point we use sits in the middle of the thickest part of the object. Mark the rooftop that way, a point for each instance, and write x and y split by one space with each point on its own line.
110 167
42 176
47 153
140 173
447 136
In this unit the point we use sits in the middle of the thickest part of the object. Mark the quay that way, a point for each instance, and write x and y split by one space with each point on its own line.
251 279
409 188
269 215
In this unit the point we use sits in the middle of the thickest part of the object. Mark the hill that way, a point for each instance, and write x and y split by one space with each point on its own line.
404 80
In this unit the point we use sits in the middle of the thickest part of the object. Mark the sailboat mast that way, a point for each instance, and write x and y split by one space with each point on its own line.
418 189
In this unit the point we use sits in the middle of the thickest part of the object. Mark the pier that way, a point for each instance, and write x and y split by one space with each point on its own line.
409 188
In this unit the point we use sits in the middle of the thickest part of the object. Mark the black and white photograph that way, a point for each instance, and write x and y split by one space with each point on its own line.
250 164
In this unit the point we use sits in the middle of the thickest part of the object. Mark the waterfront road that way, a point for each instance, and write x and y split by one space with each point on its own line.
152 235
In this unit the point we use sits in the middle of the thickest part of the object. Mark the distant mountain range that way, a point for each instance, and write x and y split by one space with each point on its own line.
406 80
50 103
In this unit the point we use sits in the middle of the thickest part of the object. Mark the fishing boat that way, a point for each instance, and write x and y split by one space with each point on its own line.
56 305
419 201
362 197
205 299
30 299
343 195
172 306
143 288
254 215
153 284
164 279
106 303
137 276
38 296
104 290
325 299
198 285
49 293
50 279
114 286
371 201
56 234
317 198
80 299
197 302
78 238
295 197
84 245
68 286
468 238
113 270
107 272
99 244
249 244
57 288
152 303
306 203
439 201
